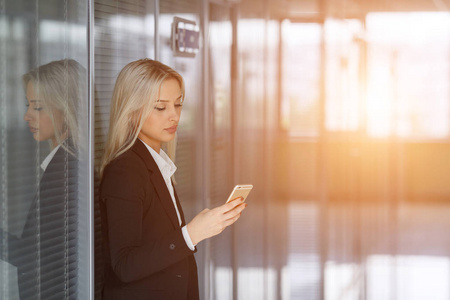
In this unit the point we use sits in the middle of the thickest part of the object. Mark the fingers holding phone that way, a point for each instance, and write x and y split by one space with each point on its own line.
233 214
211 222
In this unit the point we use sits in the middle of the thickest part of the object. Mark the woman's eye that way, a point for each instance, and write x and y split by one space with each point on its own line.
34 108
160 108
178 105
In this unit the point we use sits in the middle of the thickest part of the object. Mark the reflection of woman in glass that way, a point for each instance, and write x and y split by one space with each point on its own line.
149 246
45 254
54 93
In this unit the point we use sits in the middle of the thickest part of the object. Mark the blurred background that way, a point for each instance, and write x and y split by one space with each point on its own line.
337 111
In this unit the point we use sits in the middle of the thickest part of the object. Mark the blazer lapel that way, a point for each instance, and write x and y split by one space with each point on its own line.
157 181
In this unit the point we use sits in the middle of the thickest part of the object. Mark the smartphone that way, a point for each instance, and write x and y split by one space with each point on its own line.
240 190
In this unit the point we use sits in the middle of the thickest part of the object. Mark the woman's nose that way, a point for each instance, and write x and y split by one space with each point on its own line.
174 114
27 117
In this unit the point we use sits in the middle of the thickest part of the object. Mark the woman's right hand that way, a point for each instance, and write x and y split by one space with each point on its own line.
211 222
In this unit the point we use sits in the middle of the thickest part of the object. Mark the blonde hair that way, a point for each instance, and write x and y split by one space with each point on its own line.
135 93
61 86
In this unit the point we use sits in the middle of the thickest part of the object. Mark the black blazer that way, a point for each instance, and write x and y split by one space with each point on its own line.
46 253
145 252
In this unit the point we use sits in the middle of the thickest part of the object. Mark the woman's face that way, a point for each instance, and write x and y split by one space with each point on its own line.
39 120
161 124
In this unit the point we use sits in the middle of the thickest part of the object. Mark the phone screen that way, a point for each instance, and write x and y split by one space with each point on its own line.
240 190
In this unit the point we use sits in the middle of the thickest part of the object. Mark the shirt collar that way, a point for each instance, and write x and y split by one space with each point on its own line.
49 157
163 161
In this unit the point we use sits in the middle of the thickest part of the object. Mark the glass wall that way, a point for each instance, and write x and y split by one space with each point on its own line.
44 178
368 190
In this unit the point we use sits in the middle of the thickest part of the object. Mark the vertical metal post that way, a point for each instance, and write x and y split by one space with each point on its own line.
279 131
280 77
266 149
394 180
3 153
322 158
91 143
205 148
362 135
234 16
156 35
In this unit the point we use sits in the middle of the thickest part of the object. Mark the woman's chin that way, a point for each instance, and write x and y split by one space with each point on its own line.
169 137
38 138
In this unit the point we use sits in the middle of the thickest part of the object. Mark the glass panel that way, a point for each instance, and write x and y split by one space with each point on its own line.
386 193
219 87
373 229
250 159
344 80
300 78
44 234
408 56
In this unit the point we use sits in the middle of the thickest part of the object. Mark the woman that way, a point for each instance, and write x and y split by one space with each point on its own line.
149 247
45 252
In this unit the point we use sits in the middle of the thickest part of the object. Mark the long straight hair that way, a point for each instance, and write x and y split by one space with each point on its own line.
61 87
135 94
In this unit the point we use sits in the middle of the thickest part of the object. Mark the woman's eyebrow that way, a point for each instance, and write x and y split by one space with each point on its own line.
163 100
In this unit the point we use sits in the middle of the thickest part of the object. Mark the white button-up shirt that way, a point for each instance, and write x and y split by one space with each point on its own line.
167 169
49 158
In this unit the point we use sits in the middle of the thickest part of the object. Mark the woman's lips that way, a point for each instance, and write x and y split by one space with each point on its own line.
33 129
172 129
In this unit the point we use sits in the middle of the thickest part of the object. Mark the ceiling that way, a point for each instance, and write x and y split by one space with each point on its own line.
319 9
